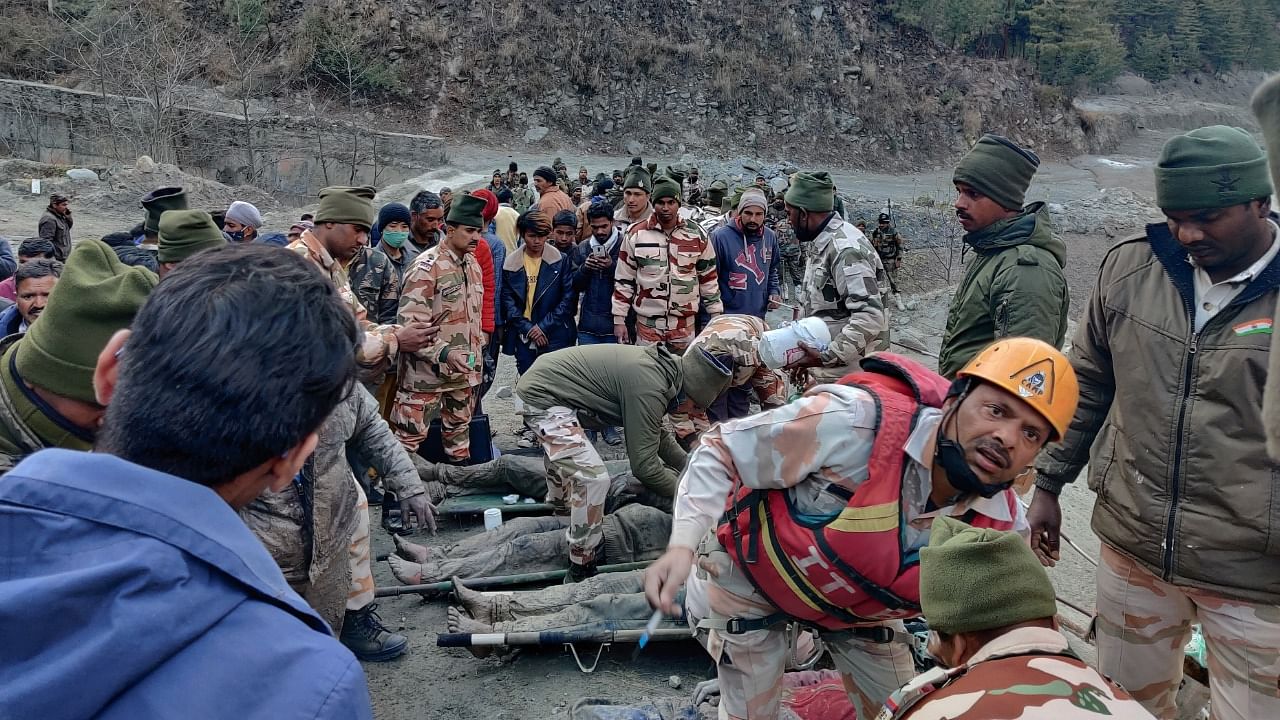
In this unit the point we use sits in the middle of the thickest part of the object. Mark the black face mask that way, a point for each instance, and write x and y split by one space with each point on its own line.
803 234
951 456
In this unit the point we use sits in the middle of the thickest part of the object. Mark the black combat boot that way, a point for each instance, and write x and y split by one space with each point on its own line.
578 573
366 637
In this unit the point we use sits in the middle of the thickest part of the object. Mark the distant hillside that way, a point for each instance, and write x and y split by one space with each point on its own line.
807 79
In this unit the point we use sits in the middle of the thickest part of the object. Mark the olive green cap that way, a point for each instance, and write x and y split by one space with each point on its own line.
184 233
96 296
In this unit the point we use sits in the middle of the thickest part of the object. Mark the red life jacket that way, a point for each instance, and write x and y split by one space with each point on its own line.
851 569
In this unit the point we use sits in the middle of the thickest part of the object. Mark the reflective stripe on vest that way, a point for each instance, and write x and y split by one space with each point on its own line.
852 569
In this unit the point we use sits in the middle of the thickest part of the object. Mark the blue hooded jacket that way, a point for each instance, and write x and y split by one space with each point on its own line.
130 593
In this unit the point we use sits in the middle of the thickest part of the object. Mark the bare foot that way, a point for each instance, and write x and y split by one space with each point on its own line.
408 573
476 603
411 550
459 623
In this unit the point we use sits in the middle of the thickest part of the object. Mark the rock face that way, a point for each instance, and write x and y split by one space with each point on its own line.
815 81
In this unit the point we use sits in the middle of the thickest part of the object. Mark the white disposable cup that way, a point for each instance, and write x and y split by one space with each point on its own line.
492 519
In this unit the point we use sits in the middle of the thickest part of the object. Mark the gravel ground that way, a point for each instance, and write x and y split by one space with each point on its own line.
432 682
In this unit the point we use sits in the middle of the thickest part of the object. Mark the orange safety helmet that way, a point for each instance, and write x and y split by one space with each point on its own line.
1033 370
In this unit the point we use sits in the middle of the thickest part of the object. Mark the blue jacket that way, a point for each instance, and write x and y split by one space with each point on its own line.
498 251
8 265
554 302
274 239
10 321
748 271
596 288
129 593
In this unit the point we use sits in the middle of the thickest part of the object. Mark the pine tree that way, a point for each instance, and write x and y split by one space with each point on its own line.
1152 56
1184 36
1223 38
1074 43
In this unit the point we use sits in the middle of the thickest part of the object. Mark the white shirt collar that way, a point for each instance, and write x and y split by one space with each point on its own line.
1249 273
995 507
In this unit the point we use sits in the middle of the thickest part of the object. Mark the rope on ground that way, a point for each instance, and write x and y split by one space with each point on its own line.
915 350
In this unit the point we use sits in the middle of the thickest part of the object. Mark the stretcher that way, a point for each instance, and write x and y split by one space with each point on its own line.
501 581
477 504
604 638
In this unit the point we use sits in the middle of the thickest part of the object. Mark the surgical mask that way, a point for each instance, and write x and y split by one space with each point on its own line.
950 455
395 238
235 237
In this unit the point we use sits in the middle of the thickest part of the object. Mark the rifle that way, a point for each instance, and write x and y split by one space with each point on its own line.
892 285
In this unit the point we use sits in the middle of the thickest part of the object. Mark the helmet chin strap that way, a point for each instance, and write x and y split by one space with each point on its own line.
950 454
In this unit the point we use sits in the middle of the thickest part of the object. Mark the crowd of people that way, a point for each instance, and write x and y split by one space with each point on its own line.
248 395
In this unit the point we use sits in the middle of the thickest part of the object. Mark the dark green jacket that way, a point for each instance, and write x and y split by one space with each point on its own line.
1014 287
612 385
24 426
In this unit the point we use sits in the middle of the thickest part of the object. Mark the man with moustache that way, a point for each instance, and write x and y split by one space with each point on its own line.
1015 285
816 512
839 284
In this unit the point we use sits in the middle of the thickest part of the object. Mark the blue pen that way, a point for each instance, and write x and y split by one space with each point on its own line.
650 627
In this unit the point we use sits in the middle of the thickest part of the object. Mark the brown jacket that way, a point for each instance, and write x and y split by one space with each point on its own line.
56 229
1174 421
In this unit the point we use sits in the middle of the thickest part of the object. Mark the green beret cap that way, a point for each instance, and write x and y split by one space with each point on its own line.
347 206
467 210
812 191
1211 167
184 233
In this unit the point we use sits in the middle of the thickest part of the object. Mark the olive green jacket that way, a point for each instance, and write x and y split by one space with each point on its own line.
25 426
1014 287
612 385
1170 423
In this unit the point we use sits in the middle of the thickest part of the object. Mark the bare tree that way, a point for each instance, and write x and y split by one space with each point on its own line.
163 56
140 49
244 64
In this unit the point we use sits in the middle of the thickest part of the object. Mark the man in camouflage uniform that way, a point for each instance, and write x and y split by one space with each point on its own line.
736 337
816 467
888 244
692 189
666 271
840 283
791 270
636 204
444 288
991 608
539 543
342 223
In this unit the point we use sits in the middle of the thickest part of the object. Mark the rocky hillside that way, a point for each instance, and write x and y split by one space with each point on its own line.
804 78
813 80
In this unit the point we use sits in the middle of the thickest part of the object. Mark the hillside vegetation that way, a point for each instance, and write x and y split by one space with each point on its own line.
899 84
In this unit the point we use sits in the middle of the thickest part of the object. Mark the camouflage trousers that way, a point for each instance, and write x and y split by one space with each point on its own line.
1144 623
750 665
791 272
412 415
676 339
577 480
519 545
687 419
358 560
